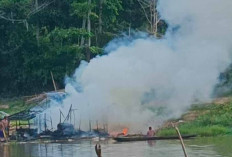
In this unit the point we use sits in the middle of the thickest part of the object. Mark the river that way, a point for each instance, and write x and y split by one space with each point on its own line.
198 147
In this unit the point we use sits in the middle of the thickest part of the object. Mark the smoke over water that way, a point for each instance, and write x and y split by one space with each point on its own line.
146 81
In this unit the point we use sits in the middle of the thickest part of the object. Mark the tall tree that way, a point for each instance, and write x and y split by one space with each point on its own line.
89 31
100 15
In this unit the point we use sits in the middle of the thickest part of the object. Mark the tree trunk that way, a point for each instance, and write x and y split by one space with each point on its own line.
152 16
96 36
100 16
156 23
155 17
89 31
37 24
83 27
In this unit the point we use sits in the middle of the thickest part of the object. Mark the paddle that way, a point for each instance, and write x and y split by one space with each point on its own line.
5 136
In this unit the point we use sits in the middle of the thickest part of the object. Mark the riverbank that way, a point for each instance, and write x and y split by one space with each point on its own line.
204 120
212 119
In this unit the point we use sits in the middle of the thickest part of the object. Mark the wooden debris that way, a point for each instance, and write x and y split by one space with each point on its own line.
53 81
36 99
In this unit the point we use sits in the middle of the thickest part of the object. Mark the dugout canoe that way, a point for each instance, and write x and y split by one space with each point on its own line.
145 138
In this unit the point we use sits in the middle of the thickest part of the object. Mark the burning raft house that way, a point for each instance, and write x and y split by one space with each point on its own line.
35 123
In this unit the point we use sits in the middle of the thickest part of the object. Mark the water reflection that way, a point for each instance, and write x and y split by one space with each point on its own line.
151 143
200 147
6 151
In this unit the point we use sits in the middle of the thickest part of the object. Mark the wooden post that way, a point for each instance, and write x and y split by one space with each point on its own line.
74 119
80 125
40 128
97 125
53 81
98 150
90 128
45 123
60 116
51 122
181 140
29 124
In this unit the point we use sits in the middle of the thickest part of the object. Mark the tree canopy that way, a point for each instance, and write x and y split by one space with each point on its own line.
43 36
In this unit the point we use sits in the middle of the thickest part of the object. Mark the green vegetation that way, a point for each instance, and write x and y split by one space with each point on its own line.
213 130
14 105
38 37
42 36
213 120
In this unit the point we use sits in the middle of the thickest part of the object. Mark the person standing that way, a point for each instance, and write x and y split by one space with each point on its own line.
150 132
6 124
2 128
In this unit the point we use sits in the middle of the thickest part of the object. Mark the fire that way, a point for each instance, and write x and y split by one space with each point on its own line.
125 131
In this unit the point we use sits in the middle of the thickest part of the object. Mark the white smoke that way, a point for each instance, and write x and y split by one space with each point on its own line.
151 80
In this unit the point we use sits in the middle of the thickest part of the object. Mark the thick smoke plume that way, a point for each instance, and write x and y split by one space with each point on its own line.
148 80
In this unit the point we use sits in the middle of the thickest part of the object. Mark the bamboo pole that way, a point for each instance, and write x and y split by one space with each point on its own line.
181 140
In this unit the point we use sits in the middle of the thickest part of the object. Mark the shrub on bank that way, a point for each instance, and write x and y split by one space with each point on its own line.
216 121
196 130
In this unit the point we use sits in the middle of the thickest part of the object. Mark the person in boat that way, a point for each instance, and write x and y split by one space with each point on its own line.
6 124
150 132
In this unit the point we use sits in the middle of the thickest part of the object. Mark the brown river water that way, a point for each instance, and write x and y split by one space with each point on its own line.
198 147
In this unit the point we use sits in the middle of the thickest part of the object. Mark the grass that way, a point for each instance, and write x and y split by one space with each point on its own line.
214 130
216 120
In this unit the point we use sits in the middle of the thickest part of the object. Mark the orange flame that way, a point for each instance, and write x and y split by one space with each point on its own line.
124 131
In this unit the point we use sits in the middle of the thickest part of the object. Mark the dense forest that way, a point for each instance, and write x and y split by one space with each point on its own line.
40 37
43 36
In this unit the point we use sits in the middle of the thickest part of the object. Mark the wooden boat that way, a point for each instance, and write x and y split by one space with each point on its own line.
145 138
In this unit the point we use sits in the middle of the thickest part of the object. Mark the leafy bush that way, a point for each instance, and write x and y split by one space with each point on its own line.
216 121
